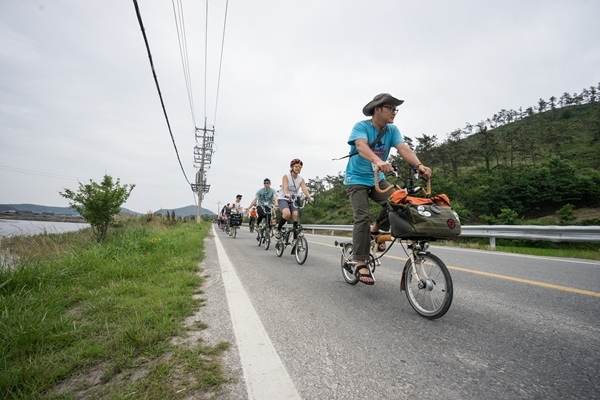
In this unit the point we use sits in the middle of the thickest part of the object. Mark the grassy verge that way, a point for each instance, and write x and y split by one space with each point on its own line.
86 320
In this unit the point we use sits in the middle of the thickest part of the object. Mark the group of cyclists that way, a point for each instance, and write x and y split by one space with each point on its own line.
231 215
370 143
267 199
425 278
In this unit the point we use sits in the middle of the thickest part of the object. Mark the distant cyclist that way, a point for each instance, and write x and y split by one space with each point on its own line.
265 199
236 211
236 206
252 214
291 185
224 215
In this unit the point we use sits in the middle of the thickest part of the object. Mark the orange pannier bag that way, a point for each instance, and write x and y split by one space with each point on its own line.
401 197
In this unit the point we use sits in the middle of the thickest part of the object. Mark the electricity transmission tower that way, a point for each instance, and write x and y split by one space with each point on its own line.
203 152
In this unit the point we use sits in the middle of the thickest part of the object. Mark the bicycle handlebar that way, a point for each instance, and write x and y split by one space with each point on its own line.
394 172
299 199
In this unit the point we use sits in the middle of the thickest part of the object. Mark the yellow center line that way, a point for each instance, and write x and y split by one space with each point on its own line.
505 277
529 282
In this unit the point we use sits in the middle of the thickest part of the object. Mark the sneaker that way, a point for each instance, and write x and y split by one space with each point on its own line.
277 234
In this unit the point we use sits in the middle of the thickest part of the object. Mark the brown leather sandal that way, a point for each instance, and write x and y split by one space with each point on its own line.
359 275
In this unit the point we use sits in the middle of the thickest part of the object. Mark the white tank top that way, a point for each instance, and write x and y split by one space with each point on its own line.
293 186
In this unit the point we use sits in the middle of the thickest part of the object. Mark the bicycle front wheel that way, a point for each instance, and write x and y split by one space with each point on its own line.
279 247
428 285
267 238
301 249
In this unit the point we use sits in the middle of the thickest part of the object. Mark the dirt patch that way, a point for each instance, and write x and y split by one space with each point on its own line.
587 213
580 214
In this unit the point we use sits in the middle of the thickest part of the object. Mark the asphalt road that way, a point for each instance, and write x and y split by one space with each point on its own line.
520 327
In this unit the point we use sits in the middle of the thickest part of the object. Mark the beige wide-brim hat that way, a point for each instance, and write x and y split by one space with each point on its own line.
380 99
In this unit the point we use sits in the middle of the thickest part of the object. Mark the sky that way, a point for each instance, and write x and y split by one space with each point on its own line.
275 79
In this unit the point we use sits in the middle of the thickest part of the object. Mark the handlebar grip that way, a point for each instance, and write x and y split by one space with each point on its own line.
386 237
428 193
389 188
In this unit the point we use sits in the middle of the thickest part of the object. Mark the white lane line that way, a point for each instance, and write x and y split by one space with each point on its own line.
266 377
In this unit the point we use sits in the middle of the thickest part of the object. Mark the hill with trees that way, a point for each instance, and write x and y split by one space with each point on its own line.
69 211
515 165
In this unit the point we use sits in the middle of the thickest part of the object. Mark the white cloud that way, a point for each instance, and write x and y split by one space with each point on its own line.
78 100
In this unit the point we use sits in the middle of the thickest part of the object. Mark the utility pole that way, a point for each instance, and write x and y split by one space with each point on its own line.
203 152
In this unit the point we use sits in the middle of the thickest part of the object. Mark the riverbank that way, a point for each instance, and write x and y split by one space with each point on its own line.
43 217
27 227
89 320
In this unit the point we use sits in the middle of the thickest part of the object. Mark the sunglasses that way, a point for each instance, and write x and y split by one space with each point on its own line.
393 110
299 166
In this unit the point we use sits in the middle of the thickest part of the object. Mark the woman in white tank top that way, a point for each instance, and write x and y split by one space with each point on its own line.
291 185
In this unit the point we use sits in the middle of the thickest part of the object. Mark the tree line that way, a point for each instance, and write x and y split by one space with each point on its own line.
517 164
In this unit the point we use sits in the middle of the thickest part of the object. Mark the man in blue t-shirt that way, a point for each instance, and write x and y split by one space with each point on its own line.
367 155
265 199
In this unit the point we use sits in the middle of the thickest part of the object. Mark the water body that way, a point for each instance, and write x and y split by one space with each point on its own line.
11 227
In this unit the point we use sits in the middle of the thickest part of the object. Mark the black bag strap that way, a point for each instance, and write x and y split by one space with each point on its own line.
371 145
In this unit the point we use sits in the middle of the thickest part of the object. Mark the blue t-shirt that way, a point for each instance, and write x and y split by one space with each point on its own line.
265 197
360 171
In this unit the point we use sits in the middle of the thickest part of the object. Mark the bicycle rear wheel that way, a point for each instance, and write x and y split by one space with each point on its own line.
347 266
234 232
430 292
301 249
267 238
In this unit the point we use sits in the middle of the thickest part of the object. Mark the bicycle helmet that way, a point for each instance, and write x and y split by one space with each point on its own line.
295 161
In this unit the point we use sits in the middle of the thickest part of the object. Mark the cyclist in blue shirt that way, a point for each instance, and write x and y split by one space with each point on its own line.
265 199
367 154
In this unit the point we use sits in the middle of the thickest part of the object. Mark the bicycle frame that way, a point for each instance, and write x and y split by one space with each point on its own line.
264 230
300 202
269 216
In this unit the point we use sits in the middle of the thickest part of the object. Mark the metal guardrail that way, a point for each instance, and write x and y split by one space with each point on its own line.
553 233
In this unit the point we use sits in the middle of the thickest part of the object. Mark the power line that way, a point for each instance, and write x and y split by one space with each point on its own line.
139 17
182 39
205 57
29 172
203 152
221 60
